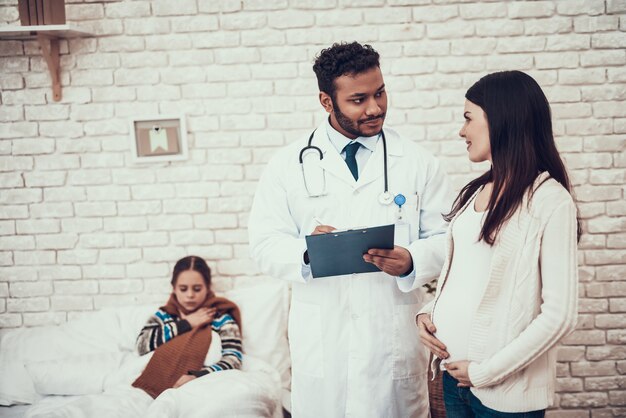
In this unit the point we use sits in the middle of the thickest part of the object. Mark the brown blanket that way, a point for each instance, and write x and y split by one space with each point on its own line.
184 352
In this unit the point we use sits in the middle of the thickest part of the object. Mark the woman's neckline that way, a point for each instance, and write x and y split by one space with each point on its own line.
476 199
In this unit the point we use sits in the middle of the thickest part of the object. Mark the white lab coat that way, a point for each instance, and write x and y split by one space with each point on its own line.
354 345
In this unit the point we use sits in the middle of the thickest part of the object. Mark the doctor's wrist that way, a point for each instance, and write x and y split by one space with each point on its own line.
408 271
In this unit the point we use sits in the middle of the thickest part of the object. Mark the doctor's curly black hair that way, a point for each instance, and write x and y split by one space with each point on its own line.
343 59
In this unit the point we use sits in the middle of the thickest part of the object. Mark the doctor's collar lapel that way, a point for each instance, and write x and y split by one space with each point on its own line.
332 161
375 167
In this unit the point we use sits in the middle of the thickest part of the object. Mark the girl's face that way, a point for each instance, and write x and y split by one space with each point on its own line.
475 131
190 289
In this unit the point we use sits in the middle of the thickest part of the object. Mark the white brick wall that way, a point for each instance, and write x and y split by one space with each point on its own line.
82 228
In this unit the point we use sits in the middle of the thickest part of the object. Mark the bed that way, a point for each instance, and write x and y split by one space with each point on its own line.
85 367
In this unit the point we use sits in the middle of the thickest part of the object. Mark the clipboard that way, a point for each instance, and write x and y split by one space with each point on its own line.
339 253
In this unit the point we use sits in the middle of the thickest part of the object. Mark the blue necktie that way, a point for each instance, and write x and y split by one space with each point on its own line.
351 150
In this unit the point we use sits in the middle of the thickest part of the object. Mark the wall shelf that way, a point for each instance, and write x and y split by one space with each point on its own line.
48 37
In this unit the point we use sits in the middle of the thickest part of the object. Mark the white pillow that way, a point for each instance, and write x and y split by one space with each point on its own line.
50 352
130 320
264 315
79 375
16 386
91 374
106 331
31 344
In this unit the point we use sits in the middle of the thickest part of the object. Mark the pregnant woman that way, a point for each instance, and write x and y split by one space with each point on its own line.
508 290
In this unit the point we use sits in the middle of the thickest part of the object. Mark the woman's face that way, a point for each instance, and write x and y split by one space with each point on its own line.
190 289
475 131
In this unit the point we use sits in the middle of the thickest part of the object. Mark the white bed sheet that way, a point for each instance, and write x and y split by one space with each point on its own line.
253 391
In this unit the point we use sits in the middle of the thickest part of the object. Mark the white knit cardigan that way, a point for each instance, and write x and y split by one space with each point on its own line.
529 304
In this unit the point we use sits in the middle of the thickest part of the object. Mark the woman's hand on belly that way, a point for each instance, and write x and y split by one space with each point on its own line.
459 370
427 329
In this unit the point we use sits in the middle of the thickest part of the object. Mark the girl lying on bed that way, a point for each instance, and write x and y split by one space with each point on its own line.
179 333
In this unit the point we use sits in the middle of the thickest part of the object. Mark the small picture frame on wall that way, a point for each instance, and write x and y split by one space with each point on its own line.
158 138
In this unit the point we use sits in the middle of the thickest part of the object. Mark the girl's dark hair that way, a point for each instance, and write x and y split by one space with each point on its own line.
195 263
522 146
343 59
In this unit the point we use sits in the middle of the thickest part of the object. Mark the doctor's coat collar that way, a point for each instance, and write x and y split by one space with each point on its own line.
334 164
340 141
322 139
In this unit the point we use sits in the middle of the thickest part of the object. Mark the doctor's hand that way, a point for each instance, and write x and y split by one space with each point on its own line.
396 262
459 370
323 229
427 329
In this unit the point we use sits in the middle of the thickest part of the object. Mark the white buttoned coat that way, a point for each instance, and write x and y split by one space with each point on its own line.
354 347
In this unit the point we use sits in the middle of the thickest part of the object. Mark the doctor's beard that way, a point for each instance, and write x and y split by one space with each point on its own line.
352 126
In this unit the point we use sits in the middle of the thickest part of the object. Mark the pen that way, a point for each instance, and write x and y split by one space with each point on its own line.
319 223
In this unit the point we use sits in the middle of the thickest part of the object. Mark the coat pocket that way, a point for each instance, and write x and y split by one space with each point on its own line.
412 214
409 358
305 339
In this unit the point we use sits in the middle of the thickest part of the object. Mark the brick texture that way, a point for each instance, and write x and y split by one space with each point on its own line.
82 227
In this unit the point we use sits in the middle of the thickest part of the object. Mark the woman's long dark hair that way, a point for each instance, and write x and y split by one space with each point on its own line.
522 146
195 263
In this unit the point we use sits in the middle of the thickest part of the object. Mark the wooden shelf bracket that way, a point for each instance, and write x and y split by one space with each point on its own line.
50 50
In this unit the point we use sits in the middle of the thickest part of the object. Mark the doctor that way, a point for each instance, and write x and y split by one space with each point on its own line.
355 350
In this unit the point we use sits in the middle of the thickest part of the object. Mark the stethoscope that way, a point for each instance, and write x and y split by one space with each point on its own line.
384 198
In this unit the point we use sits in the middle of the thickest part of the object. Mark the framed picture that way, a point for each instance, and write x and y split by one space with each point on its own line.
158 138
